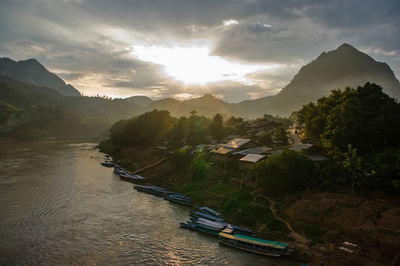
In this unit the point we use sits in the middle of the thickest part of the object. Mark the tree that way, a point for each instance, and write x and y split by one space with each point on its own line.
280 135
148 128
216 127
353 165
200 166
364 117
265 139
235 125
285 173
181 158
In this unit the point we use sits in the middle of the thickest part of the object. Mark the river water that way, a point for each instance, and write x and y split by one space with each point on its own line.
59 206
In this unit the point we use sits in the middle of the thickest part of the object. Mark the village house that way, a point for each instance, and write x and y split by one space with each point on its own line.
222 154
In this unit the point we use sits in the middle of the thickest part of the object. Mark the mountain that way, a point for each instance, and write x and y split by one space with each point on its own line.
139 100
207 105
337 69
32 72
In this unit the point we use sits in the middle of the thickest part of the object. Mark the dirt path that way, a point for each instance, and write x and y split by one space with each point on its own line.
272 208
150 165
300 239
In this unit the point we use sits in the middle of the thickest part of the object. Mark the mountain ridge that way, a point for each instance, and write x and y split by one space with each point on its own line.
33 72
343 67
336 69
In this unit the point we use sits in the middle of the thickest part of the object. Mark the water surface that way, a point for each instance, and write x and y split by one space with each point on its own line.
59 206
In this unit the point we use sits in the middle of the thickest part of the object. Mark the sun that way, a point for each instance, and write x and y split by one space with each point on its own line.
195 65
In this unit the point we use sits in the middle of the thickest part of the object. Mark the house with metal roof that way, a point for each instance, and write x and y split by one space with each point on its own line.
256 150
222 153
252 158
301 147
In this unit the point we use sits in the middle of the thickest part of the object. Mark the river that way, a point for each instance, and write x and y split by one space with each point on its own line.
59 206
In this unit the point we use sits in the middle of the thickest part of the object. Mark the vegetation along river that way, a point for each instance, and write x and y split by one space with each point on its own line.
59 206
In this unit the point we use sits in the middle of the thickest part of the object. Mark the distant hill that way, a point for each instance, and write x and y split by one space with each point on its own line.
337 69
32 72
207 105
21 94
139 100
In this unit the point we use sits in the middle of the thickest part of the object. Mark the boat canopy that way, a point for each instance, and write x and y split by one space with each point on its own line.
210 211
256 241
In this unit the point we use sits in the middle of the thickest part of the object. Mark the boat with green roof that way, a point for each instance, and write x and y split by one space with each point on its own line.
253 244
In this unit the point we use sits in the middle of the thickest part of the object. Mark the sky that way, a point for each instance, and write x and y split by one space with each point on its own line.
235 50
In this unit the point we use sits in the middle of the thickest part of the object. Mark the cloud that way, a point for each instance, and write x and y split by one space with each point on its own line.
89 42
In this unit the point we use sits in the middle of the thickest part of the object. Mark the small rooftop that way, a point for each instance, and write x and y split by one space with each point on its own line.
256 150
223 150
301 146
236 143
252 158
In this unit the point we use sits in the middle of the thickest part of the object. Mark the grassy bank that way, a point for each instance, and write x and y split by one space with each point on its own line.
207 184
325 219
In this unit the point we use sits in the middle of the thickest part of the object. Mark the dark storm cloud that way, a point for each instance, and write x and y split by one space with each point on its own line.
78 38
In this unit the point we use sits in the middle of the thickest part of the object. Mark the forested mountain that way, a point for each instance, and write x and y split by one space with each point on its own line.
29 110
139 100
340 68
27 84
32 72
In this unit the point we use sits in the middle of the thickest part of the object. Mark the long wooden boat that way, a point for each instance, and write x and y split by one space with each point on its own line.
107 164
154 190
255 245
209 226
209 211
206 216
194 227
179 199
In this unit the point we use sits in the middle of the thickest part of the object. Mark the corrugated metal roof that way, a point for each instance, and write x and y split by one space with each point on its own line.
222 150
236 143
256 150
301 146
252 158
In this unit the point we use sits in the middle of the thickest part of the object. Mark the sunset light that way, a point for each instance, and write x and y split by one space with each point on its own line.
145 132
195 65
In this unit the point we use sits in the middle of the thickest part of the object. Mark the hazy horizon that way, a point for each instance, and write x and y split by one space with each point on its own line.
234 50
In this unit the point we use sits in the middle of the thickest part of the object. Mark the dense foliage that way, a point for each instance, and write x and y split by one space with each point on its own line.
359 129
365 117
160 128
28 111
285 173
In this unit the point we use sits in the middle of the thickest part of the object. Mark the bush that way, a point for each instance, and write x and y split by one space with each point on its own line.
200 166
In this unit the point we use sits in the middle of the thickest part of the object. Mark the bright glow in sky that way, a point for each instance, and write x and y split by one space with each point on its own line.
195 65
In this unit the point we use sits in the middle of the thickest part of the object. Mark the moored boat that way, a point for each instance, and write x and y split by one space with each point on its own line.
193 226
107 164
179 199
209 211
130 177
255 245
154 190
206 216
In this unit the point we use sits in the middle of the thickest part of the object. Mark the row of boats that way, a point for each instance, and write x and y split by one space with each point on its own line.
206 220
171 196
121 171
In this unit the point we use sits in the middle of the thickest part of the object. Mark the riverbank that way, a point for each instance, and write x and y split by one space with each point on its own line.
319 222
59 206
